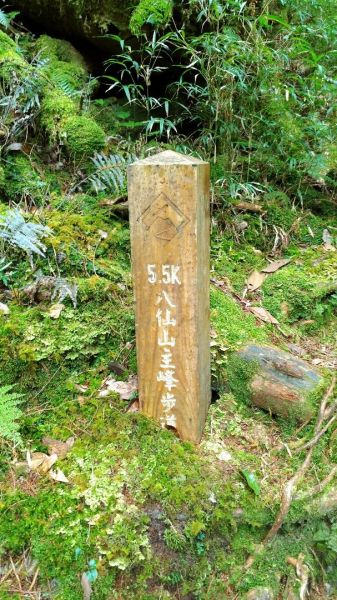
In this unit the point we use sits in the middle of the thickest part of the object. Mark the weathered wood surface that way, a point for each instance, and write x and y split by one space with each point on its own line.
169 219
283 383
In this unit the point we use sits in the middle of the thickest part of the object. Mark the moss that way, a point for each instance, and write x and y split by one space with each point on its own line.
83 137
56 107
153 12
10 58
239 376
60 50
234 327
305 289
23 181
6 43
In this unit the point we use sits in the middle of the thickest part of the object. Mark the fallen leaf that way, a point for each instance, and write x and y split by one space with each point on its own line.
133 407
249 207
4 308
58 476
82 387
251 481
35 459
276 265
14 147
40 462
125 389
328 241
255 280
56 310
263 314
57 447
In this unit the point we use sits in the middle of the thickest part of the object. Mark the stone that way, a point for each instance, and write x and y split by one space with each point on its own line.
81 19
282 384
260 593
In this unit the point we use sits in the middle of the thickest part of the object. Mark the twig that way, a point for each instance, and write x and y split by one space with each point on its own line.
34 579
318 435
15 573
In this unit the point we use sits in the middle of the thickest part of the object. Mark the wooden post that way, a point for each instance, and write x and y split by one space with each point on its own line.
169 218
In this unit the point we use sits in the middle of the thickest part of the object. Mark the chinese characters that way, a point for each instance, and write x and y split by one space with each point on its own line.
166 339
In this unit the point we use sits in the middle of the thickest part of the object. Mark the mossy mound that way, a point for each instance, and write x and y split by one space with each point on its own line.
83 137
10 57
22 181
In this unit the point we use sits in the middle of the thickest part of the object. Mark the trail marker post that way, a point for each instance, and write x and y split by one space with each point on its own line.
169 219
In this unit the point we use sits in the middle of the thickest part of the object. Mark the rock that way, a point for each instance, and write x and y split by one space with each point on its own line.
260 593
281 383
76 19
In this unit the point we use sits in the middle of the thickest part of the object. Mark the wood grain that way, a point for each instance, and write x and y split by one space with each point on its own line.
169 220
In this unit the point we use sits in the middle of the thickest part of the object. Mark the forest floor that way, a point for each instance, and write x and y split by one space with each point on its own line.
128 510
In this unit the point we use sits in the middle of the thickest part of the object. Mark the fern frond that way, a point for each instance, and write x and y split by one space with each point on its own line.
4 20
63 83
110 172
10 413
25 236
7 18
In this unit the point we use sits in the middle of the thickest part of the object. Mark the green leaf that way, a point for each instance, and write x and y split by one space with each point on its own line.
251 481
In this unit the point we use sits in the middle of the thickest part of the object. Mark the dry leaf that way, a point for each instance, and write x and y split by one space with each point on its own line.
133 407
57 447
4 308
125 389
276 265
58 476
35 459
40 462
249 207
328 241
82 387
263 314
255 280
56 310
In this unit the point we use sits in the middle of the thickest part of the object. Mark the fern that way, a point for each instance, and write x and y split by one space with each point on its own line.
7 18
4 20
10 413
63 83
26 236
110 172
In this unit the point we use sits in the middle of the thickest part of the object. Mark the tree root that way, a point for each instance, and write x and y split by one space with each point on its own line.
288 493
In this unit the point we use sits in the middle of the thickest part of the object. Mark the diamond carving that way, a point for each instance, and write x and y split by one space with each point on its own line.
163 218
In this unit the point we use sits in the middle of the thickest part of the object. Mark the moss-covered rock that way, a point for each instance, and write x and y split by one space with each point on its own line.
65 66
56 107
275 381
10 57
22 181
83 136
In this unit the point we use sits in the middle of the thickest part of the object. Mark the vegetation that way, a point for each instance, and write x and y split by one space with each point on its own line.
128 510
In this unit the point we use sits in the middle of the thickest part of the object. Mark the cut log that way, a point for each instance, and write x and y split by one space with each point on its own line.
281 383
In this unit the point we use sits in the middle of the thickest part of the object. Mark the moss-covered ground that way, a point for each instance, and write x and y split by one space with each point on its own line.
160 518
